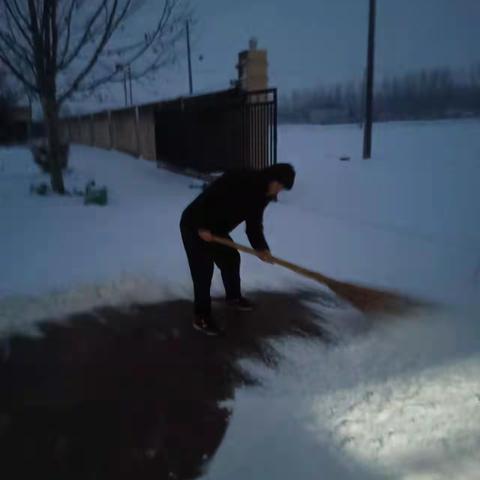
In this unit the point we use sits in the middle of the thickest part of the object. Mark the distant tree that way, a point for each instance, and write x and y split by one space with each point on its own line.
425 94
475 75
58 47
473 95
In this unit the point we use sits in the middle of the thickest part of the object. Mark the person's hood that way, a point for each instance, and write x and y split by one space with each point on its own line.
283 173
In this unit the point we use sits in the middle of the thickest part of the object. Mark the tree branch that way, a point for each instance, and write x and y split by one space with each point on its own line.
20 55
151 37
23 15
45 38
37 44
86 34
16 19
154 64
17 72
66 45
110 27
9 43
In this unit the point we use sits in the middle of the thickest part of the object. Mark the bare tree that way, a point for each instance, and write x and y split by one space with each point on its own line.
58 47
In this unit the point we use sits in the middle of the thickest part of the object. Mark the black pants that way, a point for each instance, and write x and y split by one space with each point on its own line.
201 258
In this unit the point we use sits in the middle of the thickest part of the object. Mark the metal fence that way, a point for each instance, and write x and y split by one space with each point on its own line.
220 131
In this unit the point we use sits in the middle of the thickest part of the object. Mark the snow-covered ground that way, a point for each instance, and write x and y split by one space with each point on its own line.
401 399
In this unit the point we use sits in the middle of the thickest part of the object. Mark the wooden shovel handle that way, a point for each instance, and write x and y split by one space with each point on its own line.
278 261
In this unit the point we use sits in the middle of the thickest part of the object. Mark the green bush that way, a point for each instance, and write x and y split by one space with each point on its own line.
95 195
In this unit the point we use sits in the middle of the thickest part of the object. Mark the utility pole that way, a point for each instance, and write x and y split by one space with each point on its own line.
367 132
189 60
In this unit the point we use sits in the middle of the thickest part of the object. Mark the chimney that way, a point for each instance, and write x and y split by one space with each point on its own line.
253 67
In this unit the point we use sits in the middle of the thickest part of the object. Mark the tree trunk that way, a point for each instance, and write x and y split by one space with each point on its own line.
50 110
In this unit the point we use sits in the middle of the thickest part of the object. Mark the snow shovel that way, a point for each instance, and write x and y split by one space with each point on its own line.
364 298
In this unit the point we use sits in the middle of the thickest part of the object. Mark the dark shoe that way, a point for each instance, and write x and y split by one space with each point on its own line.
205 324
241 304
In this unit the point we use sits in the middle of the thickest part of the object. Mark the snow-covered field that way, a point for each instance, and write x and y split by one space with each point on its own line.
400 399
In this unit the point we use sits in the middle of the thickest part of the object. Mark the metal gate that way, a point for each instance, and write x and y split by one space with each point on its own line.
221 131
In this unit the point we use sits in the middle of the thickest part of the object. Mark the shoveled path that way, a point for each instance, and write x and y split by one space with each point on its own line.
135 392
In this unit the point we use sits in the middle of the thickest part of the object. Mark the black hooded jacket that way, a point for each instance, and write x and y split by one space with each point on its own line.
234 198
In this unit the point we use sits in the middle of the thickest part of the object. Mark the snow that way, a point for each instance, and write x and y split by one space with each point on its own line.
76 257
400 401
409 218
394 397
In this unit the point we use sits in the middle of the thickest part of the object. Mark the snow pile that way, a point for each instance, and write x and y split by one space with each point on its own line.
401 400
409 401
428 426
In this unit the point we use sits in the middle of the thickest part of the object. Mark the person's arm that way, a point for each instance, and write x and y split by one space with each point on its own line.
254 229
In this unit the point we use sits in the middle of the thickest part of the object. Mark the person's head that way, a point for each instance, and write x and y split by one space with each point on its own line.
279 177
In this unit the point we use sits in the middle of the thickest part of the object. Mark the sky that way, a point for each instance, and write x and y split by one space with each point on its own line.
309 43
313 42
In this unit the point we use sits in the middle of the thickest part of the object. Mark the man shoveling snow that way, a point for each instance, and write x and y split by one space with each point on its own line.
234 198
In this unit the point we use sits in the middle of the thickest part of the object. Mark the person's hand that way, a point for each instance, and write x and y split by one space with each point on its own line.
205 235
265 256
